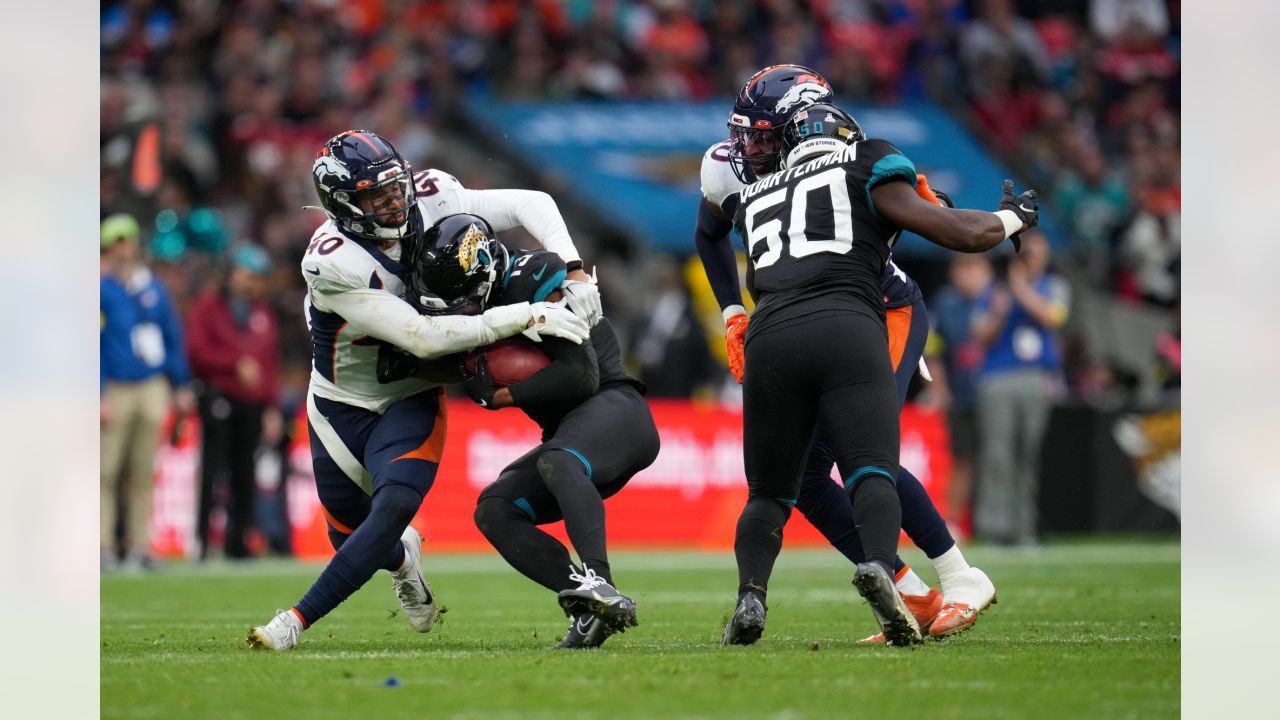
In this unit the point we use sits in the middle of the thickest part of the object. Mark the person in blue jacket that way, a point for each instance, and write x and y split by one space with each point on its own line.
142 367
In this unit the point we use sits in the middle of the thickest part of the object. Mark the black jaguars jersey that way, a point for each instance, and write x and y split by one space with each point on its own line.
531 276
814 238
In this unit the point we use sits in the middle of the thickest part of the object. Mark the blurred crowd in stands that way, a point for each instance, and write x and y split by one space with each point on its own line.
211 113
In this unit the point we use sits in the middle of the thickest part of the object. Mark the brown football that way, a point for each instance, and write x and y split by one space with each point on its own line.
510 361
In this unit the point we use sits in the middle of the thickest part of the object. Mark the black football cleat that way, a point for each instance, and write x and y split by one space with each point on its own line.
595 596
896 621
747 624
585 632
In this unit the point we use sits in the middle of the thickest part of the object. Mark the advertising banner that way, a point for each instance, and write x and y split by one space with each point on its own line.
689 498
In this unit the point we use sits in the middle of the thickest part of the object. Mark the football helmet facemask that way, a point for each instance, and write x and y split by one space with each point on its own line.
365 186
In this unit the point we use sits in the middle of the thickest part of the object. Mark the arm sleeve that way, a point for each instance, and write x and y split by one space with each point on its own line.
715 249
533 210
386 317
572 376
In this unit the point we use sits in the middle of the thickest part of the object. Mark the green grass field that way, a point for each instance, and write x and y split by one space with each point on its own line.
1082 630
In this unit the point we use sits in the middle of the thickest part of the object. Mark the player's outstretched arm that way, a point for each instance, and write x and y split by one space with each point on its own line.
384 316
962 230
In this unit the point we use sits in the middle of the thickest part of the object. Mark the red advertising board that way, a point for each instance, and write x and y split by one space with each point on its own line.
689 498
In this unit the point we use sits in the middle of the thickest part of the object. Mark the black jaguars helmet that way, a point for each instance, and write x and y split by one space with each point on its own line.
457 266
816 130
365 186
762 109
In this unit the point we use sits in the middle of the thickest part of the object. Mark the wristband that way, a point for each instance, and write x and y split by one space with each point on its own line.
733 310
1012 223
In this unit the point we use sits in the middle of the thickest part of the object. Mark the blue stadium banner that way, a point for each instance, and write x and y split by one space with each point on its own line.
637 163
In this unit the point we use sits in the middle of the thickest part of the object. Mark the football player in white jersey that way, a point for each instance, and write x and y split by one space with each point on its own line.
376 447
764 105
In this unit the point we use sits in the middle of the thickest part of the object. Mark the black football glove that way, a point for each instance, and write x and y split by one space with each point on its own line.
395 364
1025 206
944 198
478 385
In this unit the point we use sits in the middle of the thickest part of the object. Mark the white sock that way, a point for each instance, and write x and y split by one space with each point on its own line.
909 583
950 566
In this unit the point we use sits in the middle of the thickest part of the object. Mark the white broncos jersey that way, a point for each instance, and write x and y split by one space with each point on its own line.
354 292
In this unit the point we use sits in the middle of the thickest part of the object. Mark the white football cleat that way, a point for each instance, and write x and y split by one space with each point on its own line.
279 634
963 601
411 588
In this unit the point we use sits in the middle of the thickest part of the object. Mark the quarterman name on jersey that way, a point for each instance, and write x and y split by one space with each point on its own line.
776 179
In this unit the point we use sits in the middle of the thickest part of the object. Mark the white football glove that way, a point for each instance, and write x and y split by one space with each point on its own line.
556 320
584 299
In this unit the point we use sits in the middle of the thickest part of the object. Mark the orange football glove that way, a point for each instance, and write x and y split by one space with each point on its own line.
735 336
923 190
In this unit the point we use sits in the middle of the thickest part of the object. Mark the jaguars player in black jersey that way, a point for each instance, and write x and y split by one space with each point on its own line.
819 234
760 112
597 431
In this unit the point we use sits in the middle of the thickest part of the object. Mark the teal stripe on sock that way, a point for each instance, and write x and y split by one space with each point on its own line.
863 472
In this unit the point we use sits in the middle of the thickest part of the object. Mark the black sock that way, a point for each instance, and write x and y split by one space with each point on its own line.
878 515
532 552
827 507
757 543
581 505
363 553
